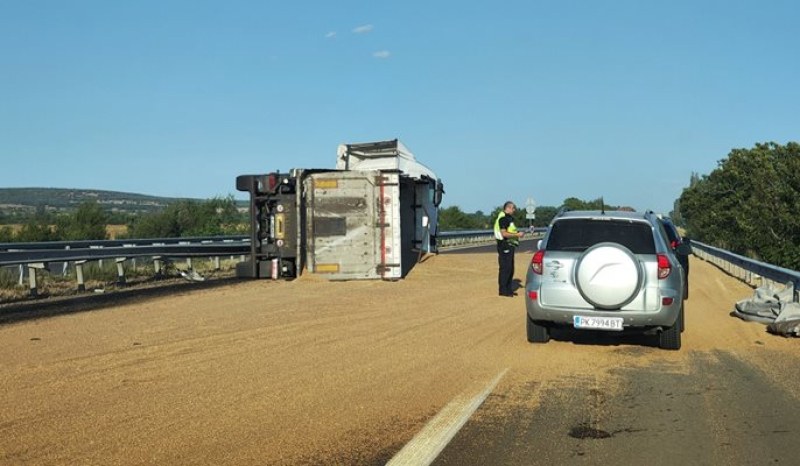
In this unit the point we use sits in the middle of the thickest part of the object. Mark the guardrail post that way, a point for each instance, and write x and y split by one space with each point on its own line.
79 273
32 281
189 263
120 271
21 274
34 292
158 268
216 263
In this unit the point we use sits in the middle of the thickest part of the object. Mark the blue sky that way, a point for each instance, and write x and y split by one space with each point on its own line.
503 100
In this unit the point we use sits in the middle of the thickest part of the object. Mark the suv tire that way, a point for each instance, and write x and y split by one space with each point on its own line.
671 338
536 333
686 288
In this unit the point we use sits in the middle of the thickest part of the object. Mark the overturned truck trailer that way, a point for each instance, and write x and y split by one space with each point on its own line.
372 217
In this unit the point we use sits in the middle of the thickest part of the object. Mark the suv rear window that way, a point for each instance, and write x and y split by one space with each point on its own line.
580 234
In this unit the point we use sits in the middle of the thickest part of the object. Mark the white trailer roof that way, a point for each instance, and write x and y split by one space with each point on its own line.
381 155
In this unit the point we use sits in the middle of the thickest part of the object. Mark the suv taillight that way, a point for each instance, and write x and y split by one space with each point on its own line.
664 267
537 262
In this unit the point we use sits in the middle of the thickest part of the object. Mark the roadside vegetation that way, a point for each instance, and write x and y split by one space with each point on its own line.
90 221
453 218
749 205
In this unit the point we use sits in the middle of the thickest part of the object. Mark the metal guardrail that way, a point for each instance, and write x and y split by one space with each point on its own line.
750 271
447 239
208 248
16 253
39 255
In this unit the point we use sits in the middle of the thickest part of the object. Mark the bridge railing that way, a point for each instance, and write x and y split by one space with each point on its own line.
748 270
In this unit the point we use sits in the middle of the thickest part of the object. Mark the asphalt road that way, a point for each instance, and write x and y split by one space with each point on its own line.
712 408
318 372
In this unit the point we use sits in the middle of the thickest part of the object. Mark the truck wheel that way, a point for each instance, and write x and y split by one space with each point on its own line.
536 333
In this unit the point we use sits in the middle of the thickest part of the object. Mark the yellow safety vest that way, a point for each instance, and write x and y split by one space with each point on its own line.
511 229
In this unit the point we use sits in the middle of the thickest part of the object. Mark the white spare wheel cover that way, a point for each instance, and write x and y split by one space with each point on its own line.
608 275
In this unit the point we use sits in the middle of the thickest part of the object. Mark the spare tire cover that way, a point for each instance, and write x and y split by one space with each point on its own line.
608 275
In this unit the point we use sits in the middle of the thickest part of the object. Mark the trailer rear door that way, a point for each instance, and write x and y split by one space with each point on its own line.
353 227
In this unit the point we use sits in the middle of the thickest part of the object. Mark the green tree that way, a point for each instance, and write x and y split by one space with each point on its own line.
544 215
453 218
217 216
749 204
88 222
37 228
6 235
573 203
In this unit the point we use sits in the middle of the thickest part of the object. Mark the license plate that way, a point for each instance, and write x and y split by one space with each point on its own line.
597 323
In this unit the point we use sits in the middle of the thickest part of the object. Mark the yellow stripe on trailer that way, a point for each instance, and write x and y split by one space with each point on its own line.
325 183
326 268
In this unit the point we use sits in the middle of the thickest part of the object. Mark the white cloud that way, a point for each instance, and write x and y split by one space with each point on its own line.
330 35
363 29
382 54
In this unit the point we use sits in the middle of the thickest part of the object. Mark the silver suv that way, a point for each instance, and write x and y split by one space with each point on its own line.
612 271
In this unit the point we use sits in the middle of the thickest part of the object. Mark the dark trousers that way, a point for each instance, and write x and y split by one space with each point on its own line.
505 259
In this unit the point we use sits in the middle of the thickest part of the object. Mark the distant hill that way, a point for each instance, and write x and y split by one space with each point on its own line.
16 201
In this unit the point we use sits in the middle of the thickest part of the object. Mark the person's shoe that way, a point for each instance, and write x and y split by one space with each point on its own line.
508 295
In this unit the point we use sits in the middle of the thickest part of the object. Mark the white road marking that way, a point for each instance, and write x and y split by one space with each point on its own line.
431 440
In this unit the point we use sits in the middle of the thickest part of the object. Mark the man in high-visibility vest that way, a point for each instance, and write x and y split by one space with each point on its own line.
507 236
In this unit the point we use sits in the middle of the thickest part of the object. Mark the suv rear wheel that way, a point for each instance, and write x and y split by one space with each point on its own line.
537 333
671 338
